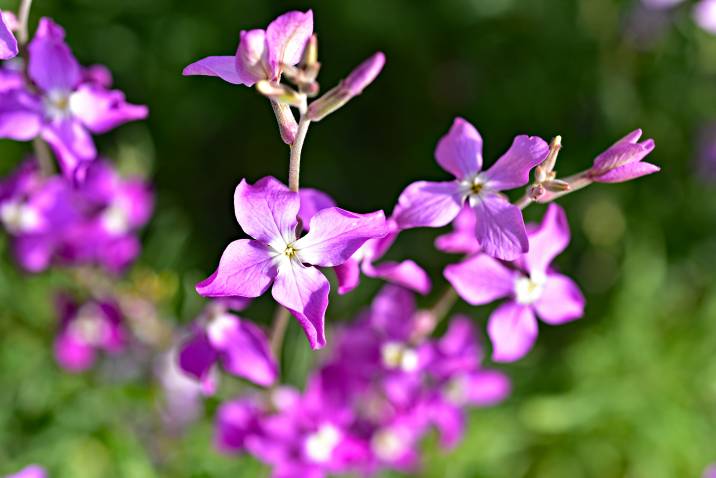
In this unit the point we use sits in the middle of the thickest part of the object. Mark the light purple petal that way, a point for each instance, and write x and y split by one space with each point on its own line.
245 348
428 204
8 43
304 292
335 234
73 355
620 154
286 38
705 15
250 60
20 115
235 420
312 201
449 420
223 67
480 279
52 65
34 252
459 152
267 211
513 330
407 274
548 241
348 275
485 388
197 356
561 300
32 471
512 170
101 110
627 172
500 227
462 239
73 146
246 269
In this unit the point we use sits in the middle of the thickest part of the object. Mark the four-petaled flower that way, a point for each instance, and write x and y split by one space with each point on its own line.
267 211
500 229
533 287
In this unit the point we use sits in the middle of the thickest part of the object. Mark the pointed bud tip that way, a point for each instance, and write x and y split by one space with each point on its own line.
364 74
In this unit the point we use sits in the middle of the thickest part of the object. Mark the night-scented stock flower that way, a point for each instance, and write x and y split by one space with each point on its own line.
267 211
623 160
500 229
61 106
531 285
8 42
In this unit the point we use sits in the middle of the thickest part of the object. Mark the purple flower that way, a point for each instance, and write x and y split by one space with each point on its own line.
8 43
62 108
532 288
32 471
267 211
406 273
500 229
182 393
710 472
705 15
86 329
623 160
240 346
261 54
462 239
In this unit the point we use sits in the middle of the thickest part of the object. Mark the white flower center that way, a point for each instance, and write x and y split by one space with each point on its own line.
219 327
18 217
57 104
397 355
115 219
89 326
319 445
529 289
473 189
387 445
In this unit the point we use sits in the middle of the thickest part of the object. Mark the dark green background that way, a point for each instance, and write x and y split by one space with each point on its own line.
629 391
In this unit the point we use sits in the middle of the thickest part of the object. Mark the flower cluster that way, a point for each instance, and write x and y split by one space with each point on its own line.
383 387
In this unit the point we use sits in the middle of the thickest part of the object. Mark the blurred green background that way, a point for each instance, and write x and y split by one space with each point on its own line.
629 391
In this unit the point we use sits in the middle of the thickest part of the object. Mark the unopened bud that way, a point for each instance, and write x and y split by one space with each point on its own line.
310 53
536 191
280 93
287 125
551 161
556 186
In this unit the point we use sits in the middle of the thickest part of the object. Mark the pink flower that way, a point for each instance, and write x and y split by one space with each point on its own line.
623 160
533 287
8 43
261 53
32 471
705 15
267 212
500 229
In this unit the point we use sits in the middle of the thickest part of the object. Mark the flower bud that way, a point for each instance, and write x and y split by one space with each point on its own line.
556 185
279 93
287 125
536 191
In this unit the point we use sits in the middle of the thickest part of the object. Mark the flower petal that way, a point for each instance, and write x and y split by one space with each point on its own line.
548 241
312 201
250 56
73 146
462 239
246 351
267 211
512 170
348 275
428 204
480 279
513 330
101 110
335 234
561 300
20 115
72 354
246 269
8 43
486 387
197 356
52 65
286 38
223 67
407 274
304 292
500 227
627 172
460 151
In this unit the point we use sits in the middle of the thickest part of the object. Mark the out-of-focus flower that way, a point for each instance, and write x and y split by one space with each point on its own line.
705 15
182 392
261 54
706 152
661 4
623 160
240 346
8 43
32 471
86 329
267 211
62 107
500 229
405 273
710 472
532 288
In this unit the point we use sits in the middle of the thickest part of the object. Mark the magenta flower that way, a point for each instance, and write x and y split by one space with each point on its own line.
267 211
8 43
705 15
405 273
63 109
32 471
182 403
500 229
240 346
261 54
532 288
85 330
462 239
623 160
